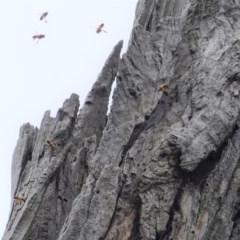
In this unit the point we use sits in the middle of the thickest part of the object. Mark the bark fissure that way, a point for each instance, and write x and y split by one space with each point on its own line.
173 209
138 129
135 234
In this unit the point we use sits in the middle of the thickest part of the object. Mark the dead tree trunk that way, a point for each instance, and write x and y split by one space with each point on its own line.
164 164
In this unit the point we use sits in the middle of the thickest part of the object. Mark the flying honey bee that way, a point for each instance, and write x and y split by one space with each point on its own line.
99 28
38 37
44 16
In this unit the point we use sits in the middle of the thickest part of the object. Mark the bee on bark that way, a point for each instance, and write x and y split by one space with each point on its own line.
162 88
19 199
50 144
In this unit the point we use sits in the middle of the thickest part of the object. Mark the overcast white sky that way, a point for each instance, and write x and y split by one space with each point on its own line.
36 77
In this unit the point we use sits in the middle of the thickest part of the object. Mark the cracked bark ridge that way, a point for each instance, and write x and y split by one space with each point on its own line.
51 164
161 165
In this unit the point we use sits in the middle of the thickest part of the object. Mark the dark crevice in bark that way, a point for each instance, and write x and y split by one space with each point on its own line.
159 111
28 157
135 234
236 216
114 214
86 169
133 92
234 78
174 208
200 174
158 236
57 182
138 129
150 22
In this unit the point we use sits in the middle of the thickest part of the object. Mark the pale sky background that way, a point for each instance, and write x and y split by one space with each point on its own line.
36 77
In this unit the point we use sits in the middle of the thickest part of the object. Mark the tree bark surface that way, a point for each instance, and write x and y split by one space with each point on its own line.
162 164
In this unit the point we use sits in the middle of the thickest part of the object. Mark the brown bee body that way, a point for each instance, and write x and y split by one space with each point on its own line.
19 199
162 88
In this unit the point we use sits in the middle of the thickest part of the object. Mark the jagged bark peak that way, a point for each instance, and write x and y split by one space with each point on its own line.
102 87
92 117
22 153
33 162
71 105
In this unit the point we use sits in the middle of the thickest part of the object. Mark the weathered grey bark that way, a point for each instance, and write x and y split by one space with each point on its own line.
161 165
